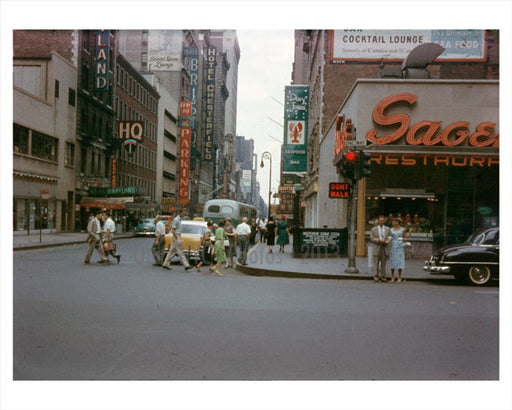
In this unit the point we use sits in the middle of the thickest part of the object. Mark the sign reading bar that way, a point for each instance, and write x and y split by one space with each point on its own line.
339 190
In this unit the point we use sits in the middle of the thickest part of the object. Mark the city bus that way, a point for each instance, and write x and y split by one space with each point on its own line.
217 209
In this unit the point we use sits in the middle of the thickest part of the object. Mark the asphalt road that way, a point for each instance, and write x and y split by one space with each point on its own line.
133 321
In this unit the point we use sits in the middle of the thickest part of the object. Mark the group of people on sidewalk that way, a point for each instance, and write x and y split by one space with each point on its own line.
388 242
213 242
100 236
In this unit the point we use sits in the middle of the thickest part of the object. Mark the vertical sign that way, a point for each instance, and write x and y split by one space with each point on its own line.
211 57
114 173
295 150
193 54
185 141
101 63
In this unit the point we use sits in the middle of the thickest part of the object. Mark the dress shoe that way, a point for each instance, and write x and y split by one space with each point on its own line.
166 267
187 268
157 264
87 262
118 257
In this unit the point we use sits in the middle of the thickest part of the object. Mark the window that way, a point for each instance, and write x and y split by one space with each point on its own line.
28 78
44 146
83 159
71 97
69 157
56 88
20 143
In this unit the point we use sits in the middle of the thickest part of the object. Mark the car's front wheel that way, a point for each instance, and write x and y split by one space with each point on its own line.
479 275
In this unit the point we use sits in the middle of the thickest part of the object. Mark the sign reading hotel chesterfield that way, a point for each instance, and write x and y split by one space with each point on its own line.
428 132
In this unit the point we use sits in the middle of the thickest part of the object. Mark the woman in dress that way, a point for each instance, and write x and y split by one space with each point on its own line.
220 250
271 234
229 231
396 251
283 233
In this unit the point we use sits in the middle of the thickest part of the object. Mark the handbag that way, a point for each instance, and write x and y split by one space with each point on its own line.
109 246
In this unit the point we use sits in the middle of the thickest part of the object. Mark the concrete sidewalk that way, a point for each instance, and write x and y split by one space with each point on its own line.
44 240
262 263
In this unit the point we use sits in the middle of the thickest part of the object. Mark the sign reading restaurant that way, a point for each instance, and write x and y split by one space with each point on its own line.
395 45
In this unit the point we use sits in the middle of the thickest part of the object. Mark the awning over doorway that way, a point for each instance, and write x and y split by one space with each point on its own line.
107 203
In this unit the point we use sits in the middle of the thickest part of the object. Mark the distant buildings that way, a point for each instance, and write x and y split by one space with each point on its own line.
97 124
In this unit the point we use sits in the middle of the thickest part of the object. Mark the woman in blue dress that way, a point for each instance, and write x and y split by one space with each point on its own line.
396 251
283 233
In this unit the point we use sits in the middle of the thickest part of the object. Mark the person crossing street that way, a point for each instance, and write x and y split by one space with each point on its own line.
177 244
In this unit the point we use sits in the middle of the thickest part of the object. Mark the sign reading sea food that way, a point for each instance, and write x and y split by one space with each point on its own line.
295 153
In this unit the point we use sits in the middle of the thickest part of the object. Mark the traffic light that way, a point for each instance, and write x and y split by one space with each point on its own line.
364 164
348 161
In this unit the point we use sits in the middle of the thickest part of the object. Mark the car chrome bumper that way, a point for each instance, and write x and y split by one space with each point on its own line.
436 269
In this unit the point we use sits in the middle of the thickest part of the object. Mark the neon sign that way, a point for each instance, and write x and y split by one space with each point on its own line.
429 133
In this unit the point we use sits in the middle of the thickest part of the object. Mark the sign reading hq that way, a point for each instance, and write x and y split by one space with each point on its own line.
295 150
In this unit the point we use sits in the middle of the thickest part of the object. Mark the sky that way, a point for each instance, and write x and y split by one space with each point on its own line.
265 33
264 70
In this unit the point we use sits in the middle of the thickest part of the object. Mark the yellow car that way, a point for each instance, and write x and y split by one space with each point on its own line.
191 234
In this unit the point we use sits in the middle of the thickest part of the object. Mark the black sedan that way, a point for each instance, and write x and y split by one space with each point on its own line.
476 261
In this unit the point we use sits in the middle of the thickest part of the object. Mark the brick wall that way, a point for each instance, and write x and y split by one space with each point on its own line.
40 43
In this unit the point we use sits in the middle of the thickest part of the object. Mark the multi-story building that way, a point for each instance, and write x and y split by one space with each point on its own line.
333 64
136 102
44 143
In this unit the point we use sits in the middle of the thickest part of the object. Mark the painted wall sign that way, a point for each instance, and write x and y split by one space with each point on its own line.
294 158
101 60
395 45
211 62
428 132
164 50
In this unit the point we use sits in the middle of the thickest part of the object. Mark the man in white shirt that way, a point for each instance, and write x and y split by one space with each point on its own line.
379 235
177 244
242 234
157 249
94 239
109 227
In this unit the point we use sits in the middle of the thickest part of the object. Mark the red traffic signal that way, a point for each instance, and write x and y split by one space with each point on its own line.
350 155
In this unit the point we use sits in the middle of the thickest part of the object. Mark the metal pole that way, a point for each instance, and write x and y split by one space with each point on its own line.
351 268
269 188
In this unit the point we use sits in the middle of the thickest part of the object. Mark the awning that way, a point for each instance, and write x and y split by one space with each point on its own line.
107 203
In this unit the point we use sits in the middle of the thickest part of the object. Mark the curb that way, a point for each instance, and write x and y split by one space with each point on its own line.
55 244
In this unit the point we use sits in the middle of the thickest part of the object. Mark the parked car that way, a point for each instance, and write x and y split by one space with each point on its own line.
476 261
191 234
146 227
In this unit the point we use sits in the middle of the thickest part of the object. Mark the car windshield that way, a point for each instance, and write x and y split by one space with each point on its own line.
146 221
487 238
192 229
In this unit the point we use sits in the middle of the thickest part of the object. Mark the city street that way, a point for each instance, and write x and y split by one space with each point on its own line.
133 321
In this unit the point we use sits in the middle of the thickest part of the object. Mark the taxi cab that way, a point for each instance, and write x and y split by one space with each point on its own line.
191 233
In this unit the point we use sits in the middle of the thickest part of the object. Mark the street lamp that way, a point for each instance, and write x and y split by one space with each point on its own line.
268 155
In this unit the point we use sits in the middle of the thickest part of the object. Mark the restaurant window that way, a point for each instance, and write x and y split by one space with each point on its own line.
69 157
20 143
44 146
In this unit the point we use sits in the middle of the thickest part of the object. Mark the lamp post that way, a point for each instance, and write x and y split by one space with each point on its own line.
268 155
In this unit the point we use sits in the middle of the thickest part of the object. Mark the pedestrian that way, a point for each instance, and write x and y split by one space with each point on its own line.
229 231
176 244
254 229
158 247
109 227
261 228
379 235
94 239
396 252
207 250
283 232
271 234
243 233
220 249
